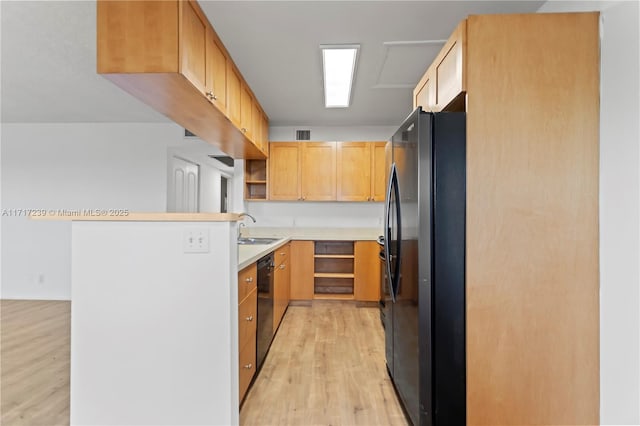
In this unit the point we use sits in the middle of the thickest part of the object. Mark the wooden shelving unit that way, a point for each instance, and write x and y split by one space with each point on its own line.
334 270
255 180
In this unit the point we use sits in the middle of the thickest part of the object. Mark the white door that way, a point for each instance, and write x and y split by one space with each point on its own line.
183 186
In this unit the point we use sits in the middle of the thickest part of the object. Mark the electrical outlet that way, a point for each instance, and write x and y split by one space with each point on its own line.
195 240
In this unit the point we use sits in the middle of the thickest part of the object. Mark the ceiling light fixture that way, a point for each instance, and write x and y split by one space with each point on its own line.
339 67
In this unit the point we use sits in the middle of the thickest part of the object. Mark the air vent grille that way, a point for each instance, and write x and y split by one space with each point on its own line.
303 135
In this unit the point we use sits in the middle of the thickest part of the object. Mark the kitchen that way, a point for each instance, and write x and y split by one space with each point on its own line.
288 214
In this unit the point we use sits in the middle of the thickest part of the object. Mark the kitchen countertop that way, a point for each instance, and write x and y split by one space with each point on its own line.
247 254
316 234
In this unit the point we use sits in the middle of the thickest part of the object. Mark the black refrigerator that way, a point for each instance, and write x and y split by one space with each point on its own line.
424 249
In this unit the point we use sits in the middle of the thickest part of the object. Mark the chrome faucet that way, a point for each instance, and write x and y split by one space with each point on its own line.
247 215
241 224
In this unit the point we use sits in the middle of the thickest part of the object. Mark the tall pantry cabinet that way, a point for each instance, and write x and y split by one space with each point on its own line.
530 87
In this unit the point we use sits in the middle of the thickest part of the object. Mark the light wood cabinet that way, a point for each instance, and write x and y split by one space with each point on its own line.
354 171
247 281
378 171
281 284
216 72
234 84
531 278
247 319
361 171
318 171
256 125
424 95
367 271
193 42
444 83
302 253
167 54
284 171
246 111
327 171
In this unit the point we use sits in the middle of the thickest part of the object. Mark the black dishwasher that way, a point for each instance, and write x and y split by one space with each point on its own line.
264 326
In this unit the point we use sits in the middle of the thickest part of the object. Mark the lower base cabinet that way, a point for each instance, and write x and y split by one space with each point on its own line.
281 284
247 310
318 267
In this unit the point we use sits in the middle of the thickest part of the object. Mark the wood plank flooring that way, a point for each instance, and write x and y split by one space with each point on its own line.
326 366
34 362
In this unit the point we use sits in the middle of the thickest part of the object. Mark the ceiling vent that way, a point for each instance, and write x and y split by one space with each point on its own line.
224 159
303 135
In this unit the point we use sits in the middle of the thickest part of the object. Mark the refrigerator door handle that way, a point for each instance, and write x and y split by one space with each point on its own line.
387 231
396 276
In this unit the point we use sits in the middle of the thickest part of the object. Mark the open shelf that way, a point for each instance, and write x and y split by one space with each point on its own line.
318 296
332 275
334 270
255 180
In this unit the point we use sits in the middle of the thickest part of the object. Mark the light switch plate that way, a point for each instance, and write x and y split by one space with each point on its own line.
195 240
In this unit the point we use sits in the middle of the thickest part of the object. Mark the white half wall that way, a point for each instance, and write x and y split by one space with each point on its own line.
79 166
619 206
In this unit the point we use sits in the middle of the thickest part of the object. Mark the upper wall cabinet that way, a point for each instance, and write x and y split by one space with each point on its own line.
444 83
167 54
320 171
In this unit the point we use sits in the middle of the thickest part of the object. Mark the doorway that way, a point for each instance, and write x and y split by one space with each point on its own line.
183 186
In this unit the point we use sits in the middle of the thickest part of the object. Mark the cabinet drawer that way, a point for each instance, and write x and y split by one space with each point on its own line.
247 280
281 255
247 365
247 318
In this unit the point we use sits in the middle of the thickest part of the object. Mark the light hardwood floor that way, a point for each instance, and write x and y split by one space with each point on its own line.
326 366
34 352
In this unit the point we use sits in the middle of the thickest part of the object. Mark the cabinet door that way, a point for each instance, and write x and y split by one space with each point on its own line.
246 111
378 171
354 171
424 94
280 284
367 271
233 94
193 41
318 171
449 69
216 76
256 124
265 132
284 171
301 284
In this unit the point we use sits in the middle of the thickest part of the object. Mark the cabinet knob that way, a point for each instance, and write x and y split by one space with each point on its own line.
249 318
282 253
244 130
248 366
249 280
282 266
211 96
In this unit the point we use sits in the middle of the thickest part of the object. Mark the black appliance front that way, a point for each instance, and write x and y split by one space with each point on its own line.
264 327
425 205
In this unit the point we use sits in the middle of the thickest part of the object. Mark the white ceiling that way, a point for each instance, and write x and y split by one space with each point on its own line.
49 57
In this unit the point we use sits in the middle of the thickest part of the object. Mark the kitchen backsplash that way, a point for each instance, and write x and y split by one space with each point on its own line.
316 215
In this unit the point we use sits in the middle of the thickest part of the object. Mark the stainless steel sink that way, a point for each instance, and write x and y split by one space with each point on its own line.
256 241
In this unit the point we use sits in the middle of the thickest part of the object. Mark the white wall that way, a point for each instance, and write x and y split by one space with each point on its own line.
619 207
312 215
77 166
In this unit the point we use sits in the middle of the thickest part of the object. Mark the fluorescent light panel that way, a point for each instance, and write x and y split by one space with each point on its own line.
338 63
